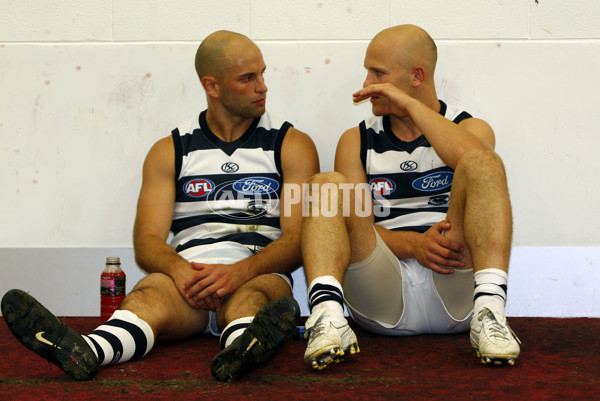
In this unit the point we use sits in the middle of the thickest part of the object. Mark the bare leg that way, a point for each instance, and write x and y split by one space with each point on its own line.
330 243
480 211
154 311
481 218
156 300
251 297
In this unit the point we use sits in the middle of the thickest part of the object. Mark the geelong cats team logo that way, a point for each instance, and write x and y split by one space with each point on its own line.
230 167
409 165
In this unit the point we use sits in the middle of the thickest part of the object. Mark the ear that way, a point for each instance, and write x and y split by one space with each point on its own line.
210 85
418 76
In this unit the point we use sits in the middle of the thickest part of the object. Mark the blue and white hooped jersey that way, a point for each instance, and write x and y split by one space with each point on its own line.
227 193
410 178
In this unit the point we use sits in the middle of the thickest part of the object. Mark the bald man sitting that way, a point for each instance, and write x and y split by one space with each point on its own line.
215 183
419 210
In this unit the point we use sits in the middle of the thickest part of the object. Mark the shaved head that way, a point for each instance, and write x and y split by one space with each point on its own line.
409 46
214 55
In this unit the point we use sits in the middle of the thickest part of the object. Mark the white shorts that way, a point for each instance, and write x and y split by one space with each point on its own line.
395 297
222 253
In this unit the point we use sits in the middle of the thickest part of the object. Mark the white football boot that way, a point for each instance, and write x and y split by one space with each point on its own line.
492 338
329 340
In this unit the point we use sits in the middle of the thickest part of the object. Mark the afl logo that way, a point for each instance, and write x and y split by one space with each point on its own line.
382 186
198 187
230 167
409 165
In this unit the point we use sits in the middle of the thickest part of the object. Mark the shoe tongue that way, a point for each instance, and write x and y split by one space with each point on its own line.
496 316
325 315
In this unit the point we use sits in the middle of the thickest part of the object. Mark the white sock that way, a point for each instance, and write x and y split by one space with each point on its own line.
490 290
122 338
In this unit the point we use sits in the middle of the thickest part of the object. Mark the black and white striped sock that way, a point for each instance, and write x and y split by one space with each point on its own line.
326 292
233 330
122 338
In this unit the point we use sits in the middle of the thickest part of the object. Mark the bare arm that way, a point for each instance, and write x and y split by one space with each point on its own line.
449 140
154 216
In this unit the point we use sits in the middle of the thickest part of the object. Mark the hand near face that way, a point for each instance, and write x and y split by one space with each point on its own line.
386 99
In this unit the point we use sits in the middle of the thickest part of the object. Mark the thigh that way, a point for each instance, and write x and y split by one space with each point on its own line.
156 300
373 287
456 292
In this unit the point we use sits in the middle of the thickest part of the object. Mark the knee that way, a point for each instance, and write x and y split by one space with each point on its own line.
480 163
265 288
152 281
252 296
330 177
147 290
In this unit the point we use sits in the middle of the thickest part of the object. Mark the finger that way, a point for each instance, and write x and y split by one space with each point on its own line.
439 269
454 263
205 303
208 291
200 304
225 290
217 303
192 302
212 303
358 99
451 245
441 261
189 286
197 280
197 266
441 226
366 93
449 254
195 291
445 224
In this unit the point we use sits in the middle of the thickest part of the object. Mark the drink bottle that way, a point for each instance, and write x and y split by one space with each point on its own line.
112 288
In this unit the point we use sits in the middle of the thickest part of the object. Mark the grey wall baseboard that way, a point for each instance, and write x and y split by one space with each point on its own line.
67 280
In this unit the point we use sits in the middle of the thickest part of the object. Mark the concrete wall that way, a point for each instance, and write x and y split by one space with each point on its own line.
86 87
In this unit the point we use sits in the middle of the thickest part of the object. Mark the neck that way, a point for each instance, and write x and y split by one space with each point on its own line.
404 128
225 126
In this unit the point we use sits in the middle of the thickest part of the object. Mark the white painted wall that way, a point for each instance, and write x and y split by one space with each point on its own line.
86 87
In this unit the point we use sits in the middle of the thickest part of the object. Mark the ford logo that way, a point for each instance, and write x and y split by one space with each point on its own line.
256 185
433 182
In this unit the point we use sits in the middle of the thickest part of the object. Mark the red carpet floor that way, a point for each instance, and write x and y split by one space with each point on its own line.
559 361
